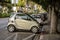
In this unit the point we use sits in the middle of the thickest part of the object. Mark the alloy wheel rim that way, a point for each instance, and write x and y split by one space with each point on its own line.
11 28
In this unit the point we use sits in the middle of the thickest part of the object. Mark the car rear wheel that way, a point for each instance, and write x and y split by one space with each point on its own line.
11 28
34 29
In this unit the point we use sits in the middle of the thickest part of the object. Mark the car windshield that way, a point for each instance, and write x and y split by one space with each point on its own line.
36 16
32 18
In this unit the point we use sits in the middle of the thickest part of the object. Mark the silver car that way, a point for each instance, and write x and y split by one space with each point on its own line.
22 21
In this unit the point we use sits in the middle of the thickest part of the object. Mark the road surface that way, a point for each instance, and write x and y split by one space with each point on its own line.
19 35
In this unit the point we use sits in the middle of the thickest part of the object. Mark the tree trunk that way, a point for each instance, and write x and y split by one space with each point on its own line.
49 14
53 21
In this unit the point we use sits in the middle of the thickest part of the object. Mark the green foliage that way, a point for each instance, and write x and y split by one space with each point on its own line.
3 15
8 1
21 3
0 15
44 3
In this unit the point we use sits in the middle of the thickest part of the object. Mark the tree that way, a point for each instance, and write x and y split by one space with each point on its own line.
54 20
21 3
5 2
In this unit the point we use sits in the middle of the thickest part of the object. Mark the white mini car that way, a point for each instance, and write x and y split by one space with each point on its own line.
22 21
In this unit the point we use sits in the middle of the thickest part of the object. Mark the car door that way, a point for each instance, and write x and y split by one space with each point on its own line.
24 22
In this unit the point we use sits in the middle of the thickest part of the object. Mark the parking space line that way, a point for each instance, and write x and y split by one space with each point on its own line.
41 37
29 37
9 37
15 38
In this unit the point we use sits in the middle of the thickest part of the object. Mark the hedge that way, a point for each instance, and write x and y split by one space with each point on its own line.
3 15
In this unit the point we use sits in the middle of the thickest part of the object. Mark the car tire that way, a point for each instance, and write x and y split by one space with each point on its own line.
11 28
34 29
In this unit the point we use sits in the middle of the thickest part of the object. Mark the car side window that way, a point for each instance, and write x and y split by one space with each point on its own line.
17 16
23 16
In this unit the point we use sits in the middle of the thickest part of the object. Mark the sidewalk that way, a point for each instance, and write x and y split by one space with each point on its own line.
50 37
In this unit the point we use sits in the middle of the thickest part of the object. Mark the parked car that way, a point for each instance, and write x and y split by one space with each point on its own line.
40 17
22 21
37 17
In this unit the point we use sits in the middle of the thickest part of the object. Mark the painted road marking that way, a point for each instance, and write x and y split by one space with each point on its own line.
15 38
9 37
41 37
29 37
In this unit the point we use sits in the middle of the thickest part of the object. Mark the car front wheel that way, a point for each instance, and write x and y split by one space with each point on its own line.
34 29
11 28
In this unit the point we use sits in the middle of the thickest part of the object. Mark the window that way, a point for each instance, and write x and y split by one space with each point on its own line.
23 16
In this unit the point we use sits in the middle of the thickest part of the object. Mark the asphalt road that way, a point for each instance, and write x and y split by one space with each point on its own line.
18 35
